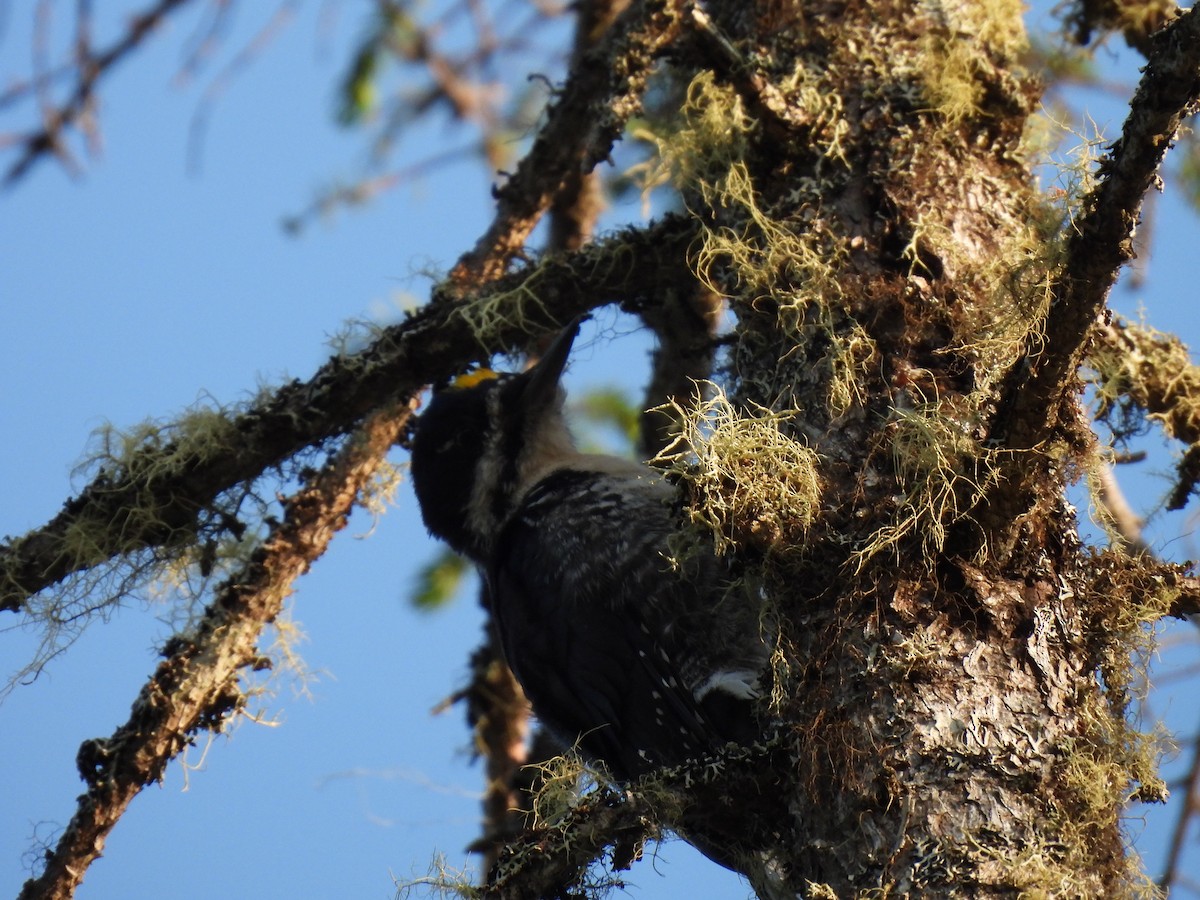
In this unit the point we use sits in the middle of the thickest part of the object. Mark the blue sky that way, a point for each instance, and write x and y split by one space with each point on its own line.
141 289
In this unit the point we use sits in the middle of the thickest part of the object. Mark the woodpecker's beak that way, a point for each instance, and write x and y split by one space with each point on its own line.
542 387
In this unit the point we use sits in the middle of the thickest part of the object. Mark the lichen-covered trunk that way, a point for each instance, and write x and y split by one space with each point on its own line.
871 212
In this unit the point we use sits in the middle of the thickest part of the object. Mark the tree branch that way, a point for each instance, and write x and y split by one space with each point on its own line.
195 689
171 500
90 68
1036 399
1118 511
553 861
498 714
433 344
1103 237
603 90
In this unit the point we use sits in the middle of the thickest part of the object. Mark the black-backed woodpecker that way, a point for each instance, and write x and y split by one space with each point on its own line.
637 660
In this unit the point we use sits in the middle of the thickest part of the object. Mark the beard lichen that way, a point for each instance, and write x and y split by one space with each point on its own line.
193 547
942 470
751 484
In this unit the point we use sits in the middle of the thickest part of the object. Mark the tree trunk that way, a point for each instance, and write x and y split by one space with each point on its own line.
869 208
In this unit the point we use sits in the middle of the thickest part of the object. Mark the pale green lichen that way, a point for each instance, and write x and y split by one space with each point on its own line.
751 482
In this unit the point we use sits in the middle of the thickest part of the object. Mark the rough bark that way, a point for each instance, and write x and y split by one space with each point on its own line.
900 284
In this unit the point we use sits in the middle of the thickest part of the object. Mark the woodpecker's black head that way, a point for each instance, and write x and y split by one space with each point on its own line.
481 441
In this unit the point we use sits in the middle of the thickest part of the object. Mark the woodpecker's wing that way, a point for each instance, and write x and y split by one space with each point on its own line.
573 586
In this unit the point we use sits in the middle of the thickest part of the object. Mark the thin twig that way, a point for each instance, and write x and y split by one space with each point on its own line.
58 117
368 188
274 26
1187 810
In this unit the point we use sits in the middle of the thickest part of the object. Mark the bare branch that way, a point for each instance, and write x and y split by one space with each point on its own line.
1127 522
603 90
90 68
498 714
1191 794
685 321
195 689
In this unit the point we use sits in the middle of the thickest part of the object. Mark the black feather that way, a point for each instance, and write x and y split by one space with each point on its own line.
580 587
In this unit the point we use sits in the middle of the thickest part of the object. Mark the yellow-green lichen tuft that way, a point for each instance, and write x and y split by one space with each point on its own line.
751 483
560 783
1154 371
744 249
711 133
813 99
766 259
949 63
942 470
179 566
512 308
788 267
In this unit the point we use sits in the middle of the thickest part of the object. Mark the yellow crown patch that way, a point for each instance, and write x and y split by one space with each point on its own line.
471 379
